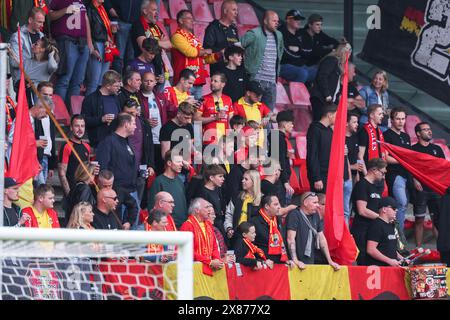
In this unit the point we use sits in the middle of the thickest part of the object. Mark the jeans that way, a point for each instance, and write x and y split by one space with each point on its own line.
123 43
69 84
96 69
43 174
348 187
298 74
270 93
197 92
400 193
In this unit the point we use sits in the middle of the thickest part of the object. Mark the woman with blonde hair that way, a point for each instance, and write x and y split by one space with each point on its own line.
82 190
376 93
81 217
245 205
328 81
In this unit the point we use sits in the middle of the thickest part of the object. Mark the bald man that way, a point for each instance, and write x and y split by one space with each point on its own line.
165 202
104 215
221 34
263 51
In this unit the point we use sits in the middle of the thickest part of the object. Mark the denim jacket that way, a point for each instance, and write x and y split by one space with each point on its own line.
370 96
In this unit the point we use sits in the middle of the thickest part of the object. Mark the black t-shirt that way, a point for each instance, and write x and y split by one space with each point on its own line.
383 233
401 140
432 150
104 221
66 156
296 58
10 216
363 140
353 149
236 80
213 197
168 129
296 222
365 191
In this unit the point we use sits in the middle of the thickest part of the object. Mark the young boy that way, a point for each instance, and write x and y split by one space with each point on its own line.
235 73
246 252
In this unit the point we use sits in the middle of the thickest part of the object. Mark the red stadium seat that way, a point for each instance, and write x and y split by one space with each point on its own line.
206 89
199 30
217 5
60 111
167 62
162 14
411 122
247 14
201 12
76 102
282 96
299 94
243 28
176 6
173 25
303 119
300 141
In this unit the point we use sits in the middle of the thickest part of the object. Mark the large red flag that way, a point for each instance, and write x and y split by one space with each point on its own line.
431 171
341 244
23 161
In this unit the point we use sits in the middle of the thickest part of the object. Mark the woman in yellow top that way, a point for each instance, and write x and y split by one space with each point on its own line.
245 205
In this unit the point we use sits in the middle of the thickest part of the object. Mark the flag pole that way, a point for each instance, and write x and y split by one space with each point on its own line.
3 66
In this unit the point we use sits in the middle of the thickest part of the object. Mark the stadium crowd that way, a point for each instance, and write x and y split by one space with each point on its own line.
143 92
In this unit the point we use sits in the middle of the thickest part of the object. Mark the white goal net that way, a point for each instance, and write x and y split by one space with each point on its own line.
67 264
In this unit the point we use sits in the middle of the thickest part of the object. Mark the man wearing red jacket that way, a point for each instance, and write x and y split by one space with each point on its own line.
205 244
188 52
42 214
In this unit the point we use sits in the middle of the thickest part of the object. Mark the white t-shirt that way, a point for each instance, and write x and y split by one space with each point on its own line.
153 112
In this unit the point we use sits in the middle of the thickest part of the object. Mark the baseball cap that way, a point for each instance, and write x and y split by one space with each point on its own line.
387 202
295 14
255 87
10 182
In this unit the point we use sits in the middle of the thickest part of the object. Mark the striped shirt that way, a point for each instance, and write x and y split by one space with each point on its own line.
267 70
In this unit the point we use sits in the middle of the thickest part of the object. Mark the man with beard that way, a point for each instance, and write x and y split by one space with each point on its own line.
68 163
424 196
215 111
366 197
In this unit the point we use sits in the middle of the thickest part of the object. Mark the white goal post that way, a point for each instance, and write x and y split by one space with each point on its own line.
183 241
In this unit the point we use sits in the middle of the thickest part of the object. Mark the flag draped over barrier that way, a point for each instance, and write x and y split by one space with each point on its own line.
341 244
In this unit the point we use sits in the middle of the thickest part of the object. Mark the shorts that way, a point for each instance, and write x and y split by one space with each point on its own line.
426 199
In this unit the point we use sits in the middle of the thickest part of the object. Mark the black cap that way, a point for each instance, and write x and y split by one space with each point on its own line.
295 14
285 115
387 202
254 86
10 182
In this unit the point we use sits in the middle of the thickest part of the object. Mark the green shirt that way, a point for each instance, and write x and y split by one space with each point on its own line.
176 188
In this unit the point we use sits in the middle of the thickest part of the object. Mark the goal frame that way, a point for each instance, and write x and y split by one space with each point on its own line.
183 240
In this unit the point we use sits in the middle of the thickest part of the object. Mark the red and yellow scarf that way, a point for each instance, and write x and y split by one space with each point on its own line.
195 64
252 250
153 248
111 50
203 244
276 245
151 32
10 106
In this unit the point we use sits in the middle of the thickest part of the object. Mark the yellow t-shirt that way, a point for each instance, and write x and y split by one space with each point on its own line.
244 215
43 219
181 96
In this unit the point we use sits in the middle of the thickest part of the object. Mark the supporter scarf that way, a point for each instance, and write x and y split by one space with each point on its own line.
111 50
153 248
276 245
204 242
171 224
193 63
372 148
9 119
254 249
150 32
41 4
